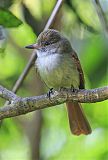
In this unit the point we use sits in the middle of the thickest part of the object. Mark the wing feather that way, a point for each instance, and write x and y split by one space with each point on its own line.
78 64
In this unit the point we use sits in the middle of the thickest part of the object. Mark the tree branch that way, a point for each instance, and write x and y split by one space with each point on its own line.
6 94
19 105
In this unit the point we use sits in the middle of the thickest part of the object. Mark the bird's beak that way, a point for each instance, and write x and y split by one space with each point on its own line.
33 46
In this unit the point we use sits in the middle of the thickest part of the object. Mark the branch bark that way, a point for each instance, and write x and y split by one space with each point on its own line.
19 105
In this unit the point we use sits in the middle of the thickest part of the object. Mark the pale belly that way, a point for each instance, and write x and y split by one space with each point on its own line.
56 71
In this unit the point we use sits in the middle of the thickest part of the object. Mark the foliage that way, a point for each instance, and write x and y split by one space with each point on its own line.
89 41
8 19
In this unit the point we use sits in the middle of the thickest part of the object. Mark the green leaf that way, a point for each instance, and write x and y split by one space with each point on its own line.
7 19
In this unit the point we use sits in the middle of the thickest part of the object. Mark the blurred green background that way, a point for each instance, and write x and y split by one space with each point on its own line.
45 134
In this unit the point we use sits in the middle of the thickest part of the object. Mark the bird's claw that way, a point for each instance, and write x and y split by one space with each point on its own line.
50 92
74 89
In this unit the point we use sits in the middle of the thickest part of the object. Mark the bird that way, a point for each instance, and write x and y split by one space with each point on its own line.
59 67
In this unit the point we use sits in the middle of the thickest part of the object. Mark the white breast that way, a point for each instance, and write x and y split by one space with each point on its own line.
47 62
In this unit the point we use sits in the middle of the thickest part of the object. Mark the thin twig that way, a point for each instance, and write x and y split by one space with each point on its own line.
53 14
19 105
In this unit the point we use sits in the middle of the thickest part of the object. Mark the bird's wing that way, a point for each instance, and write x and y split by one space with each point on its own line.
78 64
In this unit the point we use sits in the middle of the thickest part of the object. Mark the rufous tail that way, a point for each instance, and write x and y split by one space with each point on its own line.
77 119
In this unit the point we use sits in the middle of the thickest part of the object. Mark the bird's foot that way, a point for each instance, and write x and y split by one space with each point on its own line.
50 92
74 89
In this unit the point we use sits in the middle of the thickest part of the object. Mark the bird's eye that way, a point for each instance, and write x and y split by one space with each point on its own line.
47 43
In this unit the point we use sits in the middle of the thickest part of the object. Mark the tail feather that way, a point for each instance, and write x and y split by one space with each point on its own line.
77 119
